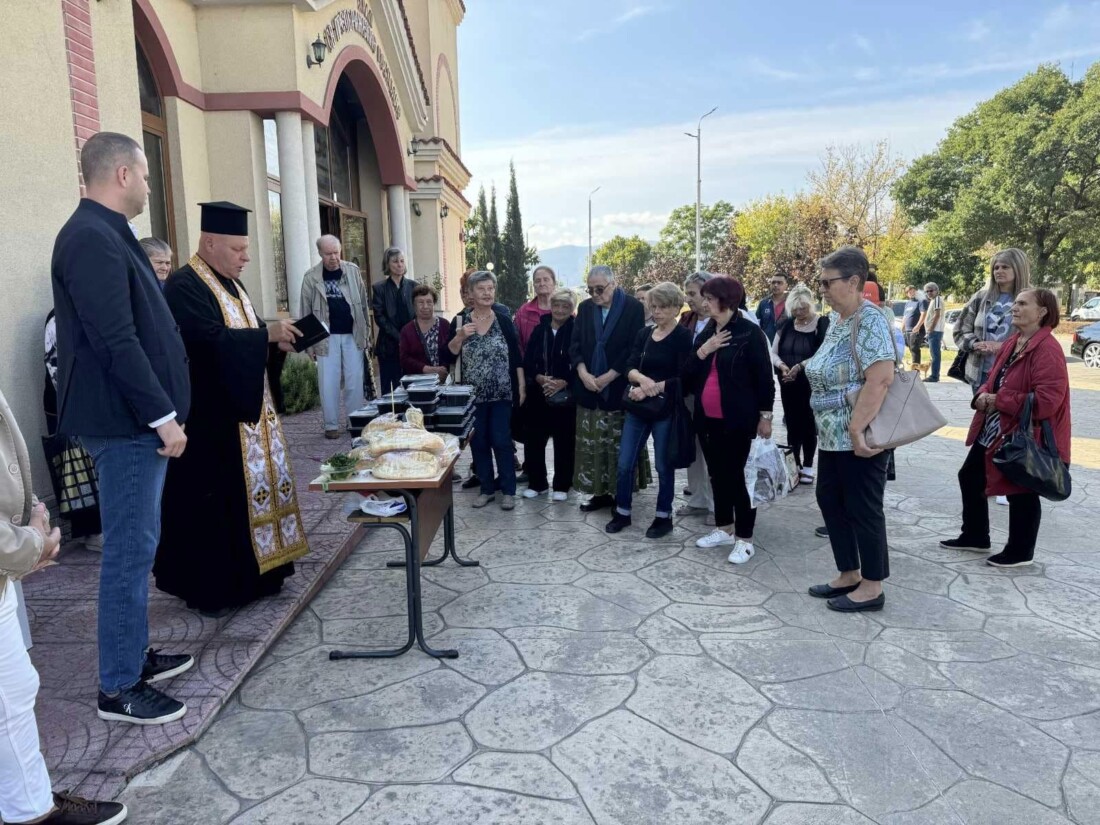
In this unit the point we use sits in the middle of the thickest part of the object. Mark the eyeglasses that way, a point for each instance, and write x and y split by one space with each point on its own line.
824 282
596 290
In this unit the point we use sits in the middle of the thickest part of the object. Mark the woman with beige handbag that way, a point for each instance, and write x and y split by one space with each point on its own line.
857 362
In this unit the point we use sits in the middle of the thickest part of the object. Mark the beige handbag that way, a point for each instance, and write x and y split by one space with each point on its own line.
907 413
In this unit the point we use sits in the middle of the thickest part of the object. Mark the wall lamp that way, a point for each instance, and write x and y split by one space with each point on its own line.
416 209
412 150
444 211
318 56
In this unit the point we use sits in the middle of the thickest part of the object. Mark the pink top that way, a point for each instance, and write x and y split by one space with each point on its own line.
712 393
528 317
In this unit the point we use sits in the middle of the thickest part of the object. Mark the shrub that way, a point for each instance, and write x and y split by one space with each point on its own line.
299 382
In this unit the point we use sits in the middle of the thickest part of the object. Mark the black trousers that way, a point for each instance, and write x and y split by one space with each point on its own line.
850 492
801 427
915 340
726 453
543 423
1024 510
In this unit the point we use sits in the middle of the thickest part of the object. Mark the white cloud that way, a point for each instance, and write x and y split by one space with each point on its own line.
761 67
977 30
633 13
645 172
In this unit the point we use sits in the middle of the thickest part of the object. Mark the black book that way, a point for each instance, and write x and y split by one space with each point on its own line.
313 332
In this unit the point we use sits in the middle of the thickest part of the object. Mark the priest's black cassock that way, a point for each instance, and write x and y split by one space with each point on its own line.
230 522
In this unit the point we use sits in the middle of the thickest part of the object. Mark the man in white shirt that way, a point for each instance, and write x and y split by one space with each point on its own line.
932 321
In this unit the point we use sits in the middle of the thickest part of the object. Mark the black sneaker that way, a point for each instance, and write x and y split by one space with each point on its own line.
160 666
597 503
660 528
962 543
821 532
72 810
141 704
618 523
1002 559
471 482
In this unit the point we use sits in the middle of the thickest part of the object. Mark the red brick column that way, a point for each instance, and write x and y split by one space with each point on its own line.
79 52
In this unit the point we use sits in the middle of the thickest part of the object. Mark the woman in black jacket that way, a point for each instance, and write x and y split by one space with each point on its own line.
604 333
731 371
551 409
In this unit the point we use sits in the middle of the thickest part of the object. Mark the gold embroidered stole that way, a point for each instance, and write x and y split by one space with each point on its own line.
275 523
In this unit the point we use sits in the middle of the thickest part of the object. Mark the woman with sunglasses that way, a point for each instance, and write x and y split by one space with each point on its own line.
605 329
851 476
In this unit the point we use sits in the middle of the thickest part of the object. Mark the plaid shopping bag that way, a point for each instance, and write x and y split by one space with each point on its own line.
72 473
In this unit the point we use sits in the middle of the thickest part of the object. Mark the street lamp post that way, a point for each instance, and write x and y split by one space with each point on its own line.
699 187
590 194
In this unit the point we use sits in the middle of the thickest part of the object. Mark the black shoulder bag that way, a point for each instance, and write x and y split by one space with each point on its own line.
651 408
1033 464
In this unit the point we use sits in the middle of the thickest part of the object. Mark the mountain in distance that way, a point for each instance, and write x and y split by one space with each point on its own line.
568 263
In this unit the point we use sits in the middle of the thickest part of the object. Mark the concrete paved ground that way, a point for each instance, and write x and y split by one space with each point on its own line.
610 679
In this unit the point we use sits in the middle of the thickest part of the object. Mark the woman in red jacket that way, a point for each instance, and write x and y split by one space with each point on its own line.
1030 361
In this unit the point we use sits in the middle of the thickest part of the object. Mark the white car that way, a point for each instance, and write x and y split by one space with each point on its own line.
1088 311
949 322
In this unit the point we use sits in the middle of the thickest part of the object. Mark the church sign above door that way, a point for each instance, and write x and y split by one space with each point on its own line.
361 20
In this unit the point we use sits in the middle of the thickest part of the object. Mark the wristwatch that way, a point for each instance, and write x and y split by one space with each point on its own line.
767 416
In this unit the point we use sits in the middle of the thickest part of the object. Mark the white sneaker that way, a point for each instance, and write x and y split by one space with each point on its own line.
742 551
529 493
557 495
94 543
1002 500
717 538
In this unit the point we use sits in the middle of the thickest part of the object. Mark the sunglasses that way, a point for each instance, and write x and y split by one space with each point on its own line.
596 290
824 282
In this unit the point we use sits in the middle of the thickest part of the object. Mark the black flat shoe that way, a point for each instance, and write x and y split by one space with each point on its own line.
660 528
617 524
843 604
827 591
597 503
471 482
1002 559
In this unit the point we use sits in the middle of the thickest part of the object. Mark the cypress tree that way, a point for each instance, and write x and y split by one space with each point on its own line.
492 235
477 241
513 277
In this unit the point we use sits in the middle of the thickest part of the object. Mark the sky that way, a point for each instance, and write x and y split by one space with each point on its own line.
599 93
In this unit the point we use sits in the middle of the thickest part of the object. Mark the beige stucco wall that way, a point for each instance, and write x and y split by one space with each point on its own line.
256 54
38 191
190 171
179 20
373 197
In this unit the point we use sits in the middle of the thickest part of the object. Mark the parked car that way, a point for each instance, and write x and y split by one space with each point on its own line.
1086 345
899 313
949 322
1088 311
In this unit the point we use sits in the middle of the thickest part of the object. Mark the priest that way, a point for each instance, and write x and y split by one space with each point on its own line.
230 528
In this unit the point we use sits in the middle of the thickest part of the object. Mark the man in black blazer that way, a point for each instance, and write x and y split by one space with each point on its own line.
124 391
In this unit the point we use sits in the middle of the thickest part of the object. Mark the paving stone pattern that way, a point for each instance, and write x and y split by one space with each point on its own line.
615 680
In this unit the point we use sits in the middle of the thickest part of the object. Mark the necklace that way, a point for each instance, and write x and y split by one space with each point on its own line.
482 318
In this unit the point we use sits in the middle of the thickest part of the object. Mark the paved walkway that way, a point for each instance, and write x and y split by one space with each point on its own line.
609 679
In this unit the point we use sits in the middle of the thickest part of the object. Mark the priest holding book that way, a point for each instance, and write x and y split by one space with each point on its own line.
231 528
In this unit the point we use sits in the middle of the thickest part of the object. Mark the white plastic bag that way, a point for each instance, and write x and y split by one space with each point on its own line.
766 476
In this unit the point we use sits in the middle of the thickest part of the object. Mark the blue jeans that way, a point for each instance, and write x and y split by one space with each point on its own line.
493 437
635 434
935 344
131 479
344 360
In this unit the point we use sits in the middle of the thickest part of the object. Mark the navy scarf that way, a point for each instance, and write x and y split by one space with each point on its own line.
604 329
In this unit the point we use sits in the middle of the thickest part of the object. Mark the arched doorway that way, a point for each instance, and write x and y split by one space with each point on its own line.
154 133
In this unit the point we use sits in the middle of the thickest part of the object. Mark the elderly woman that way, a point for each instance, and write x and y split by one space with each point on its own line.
487 347
1031 361
797 339
731 372
391 303
530 314
424 339
160 257
27 544
852 481
986 322
653 372
699 499
606 326
551 406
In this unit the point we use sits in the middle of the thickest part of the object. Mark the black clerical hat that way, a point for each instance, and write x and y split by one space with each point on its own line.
224 218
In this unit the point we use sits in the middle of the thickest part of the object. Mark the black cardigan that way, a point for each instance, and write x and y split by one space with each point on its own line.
511 337
618 349
534 359
744 374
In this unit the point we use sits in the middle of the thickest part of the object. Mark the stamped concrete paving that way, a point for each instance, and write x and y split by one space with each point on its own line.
609 679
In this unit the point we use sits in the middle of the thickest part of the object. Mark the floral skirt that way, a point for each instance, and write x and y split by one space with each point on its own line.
599 434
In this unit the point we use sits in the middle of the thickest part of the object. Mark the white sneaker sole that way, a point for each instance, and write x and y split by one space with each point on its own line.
740 560
1006 566
170 674
707 545
560 497
117 818
133 720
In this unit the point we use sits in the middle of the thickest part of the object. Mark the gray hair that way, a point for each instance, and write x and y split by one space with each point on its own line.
103 153
666 295
388 256
931 285
697 278
325 238
155 246
602 270
564 295
479 276
544 268
800 296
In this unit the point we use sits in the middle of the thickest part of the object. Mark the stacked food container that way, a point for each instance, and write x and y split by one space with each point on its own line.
447 408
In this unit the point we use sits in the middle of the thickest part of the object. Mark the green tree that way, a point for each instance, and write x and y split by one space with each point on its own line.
477 233
513 281
677 238
1022 169
783 235
664 265
627 258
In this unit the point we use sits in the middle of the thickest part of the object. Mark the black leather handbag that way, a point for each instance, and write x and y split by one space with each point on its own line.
958 367
1033 464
